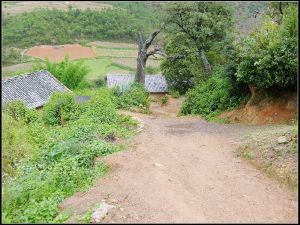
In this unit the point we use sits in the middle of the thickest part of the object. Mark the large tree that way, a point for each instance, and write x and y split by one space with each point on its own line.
144 52
204 23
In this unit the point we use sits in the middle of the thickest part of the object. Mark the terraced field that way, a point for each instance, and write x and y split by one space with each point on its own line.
107 57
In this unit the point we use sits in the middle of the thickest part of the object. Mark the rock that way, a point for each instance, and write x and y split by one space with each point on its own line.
101 212
158 165
282 139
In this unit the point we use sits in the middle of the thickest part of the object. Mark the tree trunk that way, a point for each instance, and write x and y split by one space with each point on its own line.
143 56
140 71
141 61
204 61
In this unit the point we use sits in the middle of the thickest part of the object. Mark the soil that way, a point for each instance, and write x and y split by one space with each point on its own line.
267 111
184 169
57 53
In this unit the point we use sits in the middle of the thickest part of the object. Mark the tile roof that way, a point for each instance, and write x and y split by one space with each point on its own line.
33 88
153 83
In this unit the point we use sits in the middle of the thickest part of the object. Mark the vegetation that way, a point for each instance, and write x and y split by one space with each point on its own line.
266 60
278 160
71 74
165 100
51 162
182 74
203 23
45 26
60 109
212 97
135 98
268 57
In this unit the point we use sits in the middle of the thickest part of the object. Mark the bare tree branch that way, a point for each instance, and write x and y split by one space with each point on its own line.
149 41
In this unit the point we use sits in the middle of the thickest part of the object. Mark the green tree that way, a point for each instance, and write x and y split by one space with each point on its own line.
268 57
204 23
181 74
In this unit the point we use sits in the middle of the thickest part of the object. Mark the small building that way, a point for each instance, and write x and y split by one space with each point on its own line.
153 83
33 88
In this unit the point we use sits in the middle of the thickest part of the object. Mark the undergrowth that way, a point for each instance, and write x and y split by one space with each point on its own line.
53 161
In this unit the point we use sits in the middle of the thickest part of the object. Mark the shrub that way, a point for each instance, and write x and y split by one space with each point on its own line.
165 100
268 57
16 109
135 97
15 144
151 70
211 98
60 108
11 56
69 73
174 93
101 108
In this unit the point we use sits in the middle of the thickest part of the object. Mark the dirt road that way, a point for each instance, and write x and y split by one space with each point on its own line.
185 170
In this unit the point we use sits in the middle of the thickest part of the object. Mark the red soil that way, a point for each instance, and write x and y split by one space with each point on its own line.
265 112
57 53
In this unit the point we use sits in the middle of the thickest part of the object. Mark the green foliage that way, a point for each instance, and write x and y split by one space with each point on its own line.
212 97
15 145
181 74
69 73
63 161
53 26
174 93
165 100
101 108
136 97
151 70
10 56
204 23
60 108
268 57
16 109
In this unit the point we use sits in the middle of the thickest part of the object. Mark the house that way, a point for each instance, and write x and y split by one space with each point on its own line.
153 83
33 88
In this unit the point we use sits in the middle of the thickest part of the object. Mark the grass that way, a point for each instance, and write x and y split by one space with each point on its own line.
101 66
278 161
7 74
126 53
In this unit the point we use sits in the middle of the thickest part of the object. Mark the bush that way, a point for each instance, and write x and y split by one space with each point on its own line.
211 98
69 73
174 93
136 97
60 108
15 146
16 109
165 100
151 70
268 57
101 107
11 56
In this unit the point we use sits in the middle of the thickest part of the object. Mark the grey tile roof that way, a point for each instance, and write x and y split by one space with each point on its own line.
33 88
153 83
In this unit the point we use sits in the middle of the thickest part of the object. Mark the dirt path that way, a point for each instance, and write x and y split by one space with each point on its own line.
185 170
